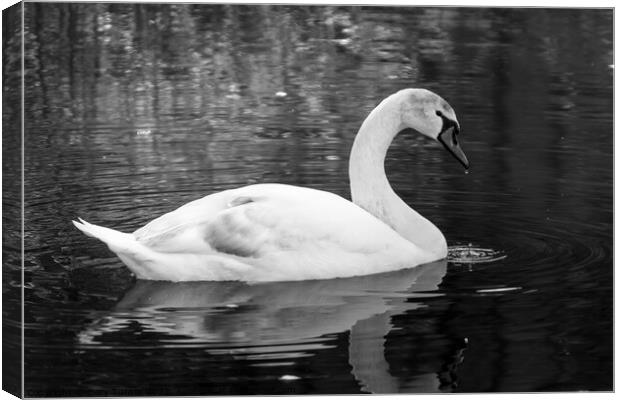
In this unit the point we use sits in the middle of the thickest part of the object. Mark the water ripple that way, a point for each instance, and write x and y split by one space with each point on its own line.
473 255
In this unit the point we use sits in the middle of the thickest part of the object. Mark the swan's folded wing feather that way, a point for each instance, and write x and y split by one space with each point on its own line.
214 224
296 220
264 219
177 230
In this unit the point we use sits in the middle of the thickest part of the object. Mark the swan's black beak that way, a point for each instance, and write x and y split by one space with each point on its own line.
447 137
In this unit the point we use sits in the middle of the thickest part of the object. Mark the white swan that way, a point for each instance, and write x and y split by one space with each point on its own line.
275 232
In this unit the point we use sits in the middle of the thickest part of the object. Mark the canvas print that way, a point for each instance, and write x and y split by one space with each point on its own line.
227 199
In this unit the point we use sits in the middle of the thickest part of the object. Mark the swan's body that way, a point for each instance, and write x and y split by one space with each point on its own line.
265 232
274 232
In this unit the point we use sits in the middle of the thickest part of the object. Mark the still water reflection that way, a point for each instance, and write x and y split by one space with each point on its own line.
133 110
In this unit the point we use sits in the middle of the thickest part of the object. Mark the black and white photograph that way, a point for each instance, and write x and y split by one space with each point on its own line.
224 199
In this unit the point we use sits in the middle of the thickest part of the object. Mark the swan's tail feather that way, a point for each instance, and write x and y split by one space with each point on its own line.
132 253
116 241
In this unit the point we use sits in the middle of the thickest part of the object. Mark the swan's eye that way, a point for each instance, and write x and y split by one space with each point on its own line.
439 113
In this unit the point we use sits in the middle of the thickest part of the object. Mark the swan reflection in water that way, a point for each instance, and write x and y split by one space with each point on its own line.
245 317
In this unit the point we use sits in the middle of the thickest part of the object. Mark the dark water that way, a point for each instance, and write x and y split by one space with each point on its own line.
133 110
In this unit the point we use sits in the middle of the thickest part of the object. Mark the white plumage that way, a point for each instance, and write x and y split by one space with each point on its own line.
275 232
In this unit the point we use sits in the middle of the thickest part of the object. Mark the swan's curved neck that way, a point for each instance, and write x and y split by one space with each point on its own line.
370 188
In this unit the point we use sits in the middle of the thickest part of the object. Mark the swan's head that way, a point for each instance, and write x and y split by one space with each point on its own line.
432 116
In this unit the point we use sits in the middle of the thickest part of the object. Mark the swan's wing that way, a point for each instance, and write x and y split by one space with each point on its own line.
181 230
266 219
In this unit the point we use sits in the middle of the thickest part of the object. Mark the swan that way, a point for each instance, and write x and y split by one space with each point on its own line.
276 232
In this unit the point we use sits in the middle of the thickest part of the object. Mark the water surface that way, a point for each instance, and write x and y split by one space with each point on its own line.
134 110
